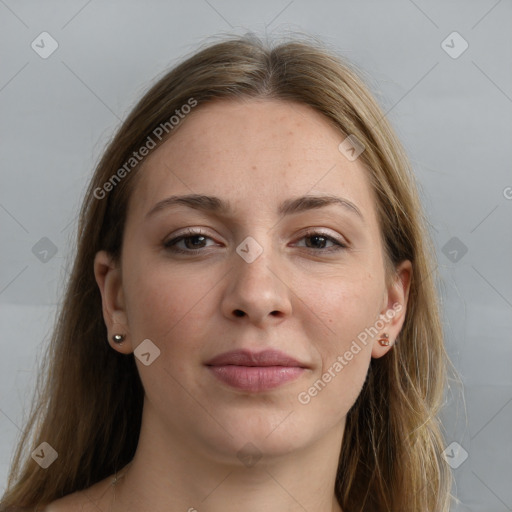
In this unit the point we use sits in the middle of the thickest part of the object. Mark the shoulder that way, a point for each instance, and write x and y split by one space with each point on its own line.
67 504
92 499
75 502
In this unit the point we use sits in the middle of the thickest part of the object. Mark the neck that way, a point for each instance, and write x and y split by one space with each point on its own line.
169 476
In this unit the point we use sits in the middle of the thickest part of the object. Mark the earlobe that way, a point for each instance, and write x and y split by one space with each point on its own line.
393 314
109 280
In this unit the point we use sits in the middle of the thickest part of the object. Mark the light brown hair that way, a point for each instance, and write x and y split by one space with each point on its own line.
89 401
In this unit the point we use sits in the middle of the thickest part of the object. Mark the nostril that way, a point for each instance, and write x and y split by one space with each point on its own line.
238 312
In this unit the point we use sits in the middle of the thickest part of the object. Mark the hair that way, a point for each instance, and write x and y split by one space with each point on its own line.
90 399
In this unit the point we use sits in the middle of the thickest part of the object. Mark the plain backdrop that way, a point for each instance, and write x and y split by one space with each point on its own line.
450 105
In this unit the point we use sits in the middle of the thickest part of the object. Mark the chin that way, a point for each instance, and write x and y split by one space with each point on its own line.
258 435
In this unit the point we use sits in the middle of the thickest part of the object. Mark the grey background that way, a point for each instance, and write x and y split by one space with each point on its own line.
452 114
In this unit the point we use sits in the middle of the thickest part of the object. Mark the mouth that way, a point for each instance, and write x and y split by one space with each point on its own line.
255 371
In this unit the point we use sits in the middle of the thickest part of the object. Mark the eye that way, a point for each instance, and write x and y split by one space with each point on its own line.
193 240
321 238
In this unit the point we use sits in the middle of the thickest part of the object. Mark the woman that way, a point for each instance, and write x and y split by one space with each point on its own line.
252 318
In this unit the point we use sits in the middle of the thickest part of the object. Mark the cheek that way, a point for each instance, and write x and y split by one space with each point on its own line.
345 311
342 305
171 309
165 305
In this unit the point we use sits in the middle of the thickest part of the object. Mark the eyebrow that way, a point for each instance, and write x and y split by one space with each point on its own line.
213 204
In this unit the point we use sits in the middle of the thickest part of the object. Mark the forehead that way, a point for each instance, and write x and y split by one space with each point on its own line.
253 153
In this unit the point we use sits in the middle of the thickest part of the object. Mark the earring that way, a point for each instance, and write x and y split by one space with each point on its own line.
118 338
384 340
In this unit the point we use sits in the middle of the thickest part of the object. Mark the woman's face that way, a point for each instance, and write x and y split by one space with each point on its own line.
306 282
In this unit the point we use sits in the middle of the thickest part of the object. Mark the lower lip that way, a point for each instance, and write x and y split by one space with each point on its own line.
256 378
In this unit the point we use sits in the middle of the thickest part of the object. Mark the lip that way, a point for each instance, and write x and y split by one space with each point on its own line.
255 371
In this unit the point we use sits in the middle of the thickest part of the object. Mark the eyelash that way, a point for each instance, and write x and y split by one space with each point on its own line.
169 245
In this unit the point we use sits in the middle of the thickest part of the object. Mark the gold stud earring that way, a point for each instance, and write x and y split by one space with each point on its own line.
384 340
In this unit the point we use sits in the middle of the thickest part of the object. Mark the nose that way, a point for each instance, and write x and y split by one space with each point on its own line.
257 291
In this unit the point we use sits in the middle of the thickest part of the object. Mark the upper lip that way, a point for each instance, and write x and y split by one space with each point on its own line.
250 358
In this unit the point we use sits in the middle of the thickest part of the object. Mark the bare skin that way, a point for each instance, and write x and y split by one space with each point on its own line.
298 296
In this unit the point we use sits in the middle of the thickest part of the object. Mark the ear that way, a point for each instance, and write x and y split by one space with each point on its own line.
392 315
109 279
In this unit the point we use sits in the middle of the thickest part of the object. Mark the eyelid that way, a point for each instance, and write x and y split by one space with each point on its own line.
323 231
338 244
188 232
